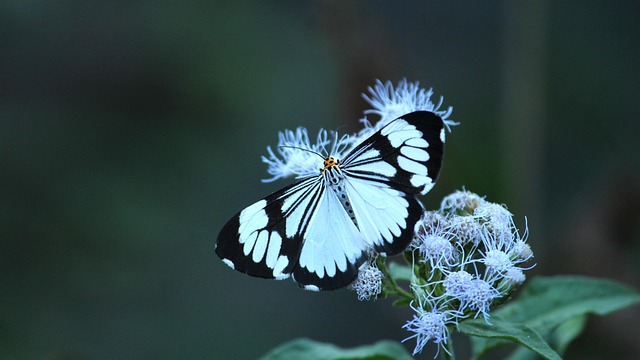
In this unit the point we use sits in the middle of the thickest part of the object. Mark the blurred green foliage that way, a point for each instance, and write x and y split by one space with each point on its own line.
131 131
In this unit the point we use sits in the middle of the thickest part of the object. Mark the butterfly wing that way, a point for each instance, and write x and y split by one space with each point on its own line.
385 173
265 239
406 154
301 230
333 248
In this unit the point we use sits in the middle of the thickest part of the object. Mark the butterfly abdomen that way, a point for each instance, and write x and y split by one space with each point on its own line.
334 178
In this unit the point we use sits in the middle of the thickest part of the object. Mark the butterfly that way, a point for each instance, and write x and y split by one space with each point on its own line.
323 227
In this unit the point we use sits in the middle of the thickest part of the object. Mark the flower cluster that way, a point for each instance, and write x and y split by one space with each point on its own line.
297 156
466 257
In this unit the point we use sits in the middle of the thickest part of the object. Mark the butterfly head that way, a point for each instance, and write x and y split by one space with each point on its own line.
332 171
329 162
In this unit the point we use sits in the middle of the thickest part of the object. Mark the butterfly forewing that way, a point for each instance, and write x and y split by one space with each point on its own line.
265 238
409 153
320 232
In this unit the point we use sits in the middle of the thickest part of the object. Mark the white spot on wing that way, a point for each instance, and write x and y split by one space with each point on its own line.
278 269
312 288
261 246
393 126
427 187
399 131
416 154
275 242
412 166
442 135
229 263
249 241
418 142
420 181
381 211
253 217
369 154
298 215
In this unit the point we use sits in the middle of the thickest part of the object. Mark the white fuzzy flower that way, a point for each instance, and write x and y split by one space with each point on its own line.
434 244
296 156
503 251
465 228
522 250
497 261
457 283
479 297
390 103
496 218
461 202
515 276
428 326
430 322
368 284
437 250
431 222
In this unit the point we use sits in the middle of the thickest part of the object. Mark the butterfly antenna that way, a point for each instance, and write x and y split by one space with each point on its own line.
303 149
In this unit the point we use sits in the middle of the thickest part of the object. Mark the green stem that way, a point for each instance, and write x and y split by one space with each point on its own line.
382 265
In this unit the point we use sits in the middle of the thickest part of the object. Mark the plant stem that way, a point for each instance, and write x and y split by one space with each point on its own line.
382 265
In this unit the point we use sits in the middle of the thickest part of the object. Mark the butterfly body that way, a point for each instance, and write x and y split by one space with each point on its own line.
323 227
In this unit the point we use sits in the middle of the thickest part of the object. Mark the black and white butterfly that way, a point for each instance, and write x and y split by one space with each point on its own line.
323 227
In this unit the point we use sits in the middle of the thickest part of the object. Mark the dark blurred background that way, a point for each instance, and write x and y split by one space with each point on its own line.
131 131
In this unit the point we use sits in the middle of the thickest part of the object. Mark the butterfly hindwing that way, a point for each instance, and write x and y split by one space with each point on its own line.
386 217
333 248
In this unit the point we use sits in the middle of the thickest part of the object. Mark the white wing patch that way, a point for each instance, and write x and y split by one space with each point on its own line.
332 241
379 167
398 131
414 153
300 198
380 210
411 166
253 217
260 242
422 180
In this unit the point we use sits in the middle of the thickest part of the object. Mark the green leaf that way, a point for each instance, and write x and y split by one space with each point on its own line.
567 332
313 350
548 302
515 332
400 272
560 339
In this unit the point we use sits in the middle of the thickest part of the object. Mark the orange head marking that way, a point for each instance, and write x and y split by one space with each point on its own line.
329 162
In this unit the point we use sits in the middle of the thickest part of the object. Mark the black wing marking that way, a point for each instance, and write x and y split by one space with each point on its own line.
407 153
262 240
